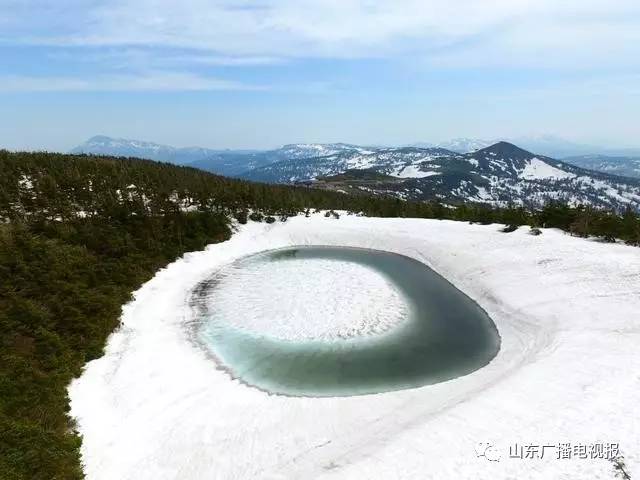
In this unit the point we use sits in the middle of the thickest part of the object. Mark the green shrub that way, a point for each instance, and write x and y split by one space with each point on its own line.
510 228
256 216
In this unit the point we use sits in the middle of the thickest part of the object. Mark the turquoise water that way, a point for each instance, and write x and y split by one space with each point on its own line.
446 335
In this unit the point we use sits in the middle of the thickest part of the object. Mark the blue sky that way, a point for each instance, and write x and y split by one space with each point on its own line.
260 73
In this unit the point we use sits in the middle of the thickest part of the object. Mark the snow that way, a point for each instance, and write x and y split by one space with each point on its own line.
537 169
361 162
611 190
25 182
473 162
157 407
413 171
464 145
335 294
483 194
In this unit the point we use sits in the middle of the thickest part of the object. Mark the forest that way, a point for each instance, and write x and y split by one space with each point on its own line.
78 234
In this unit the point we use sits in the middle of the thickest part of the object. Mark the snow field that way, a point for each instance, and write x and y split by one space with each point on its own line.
156 407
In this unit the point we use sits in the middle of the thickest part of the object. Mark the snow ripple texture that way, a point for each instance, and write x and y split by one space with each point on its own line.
304 299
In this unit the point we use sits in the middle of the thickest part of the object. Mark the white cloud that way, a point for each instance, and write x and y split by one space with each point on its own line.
456 33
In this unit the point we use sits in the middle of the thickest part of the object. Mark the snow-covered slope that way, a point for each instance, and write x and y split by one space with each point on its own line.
399 162
311 150
157 407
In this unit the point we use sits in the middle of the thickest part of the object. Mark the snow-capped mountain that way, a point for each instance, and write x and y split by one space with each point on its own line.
504 174
465 145
549 145
616 165
458 145
121 147
310 150
405 162
501 174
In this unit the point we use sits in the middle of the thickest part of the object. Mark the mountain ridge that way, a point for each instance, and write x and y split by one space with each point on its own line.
499 174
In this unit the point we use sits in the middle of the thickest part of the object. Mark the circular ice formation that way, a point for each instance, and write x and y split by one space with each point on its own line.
308 321
306 298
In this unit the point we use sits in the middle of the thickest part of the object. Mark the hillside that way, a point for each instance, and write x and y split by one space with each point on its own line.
404 162
46 187
79 233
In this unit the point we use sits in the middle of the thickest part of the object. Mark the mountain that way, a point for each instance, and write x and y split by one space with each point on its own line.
236 163
458 145
403 162
548 145
233 164
624 166
222 162
309 150
120 147
504 174
464 145
501 174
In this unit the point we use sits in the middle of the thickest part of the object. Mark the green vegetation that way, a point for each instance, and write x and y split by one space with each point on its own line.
78 234
579 221
63 285
365 175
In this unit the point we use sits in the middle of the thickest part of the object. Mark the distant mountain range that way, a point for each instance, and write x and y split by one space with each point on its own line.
616 165
499 174
238 164
548 145
120 147
458 145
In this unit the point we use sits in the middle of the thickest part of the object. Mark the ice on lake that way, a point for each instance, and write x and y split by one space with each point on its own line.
338 321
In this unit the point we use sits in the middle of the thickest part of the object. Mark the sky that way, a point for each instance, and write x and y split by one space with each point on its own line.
261 73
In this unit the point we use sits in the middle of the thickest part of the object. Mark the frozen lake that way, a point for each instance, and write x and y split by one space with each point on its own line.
336 321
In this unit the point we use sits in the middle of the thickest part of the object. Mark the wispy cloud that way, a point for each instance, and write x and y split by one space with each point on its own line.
159 81
159 58
248 32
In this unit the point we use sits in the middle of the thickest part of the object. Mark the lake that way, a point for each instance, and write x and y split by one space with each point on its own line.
281 321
